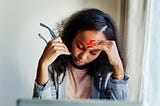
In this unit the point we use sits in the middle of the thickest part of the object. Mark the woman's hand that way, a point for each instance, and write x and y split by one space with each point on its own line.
54 48
111 50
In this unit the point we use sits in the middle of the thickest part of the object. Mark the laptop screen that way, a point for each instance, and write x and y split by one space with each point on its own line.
91 102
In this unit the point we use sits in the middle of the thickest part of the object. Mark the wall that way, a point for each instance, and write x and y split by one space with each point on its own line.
20 46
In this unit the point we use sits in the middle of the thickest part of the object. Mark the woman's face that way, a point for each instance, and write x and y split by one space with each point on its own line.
81 54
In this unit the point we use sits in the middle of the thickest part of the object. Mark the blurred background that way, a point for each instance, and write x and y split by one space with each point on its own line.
20 46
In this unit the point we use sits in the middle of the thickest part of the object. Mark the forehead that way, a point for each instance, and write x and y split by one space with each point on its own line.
86 36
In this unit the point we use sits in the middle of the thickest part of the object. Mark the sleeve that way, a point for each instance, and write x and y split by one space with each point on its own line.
118 89
47 91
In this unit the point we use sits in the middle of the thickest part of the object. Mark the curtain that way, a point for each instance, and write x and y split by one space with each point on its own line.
142 50
134 38
150 87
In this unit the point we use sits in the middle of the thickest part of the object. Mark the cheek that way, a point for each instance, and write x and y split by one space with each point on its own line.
74 51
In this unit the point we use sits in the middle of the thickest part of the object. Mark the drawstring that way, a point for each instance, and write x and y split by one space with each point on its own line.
99 87
102 87
56 84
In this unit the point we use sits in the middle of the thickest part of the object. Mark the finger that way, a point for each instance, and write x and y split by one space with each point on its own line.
57 39
105 47
55 43
106 42
100 45
95 43
62 51
58 44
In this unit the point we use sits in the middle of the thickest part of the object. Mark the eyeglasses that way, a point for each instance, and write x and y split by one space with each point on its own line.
51 33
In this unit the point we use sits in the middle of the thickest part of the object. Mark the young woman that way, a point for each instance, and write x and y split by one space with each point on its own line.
84 61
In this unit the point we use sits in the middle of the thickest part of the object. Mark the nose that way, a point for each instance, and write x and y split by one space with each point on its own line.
84 56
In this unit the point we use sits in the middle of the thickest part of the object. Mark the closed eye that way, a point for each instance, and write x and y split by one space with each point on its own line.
94 52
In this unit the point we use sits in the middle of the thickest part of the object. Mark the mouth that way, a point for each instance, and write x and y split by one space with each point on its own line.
79 62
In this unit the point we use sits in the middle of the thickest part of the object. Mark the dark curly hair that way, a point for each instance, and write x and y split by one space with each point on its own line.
87 19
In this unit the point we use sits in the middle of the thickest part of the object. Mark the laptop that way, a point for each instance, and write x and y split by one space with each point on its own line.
91 102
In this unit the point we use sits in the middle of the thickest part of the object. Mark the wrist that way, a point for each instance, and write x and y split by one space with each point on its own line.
42 65
42 73
118 67
118 72
118 76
